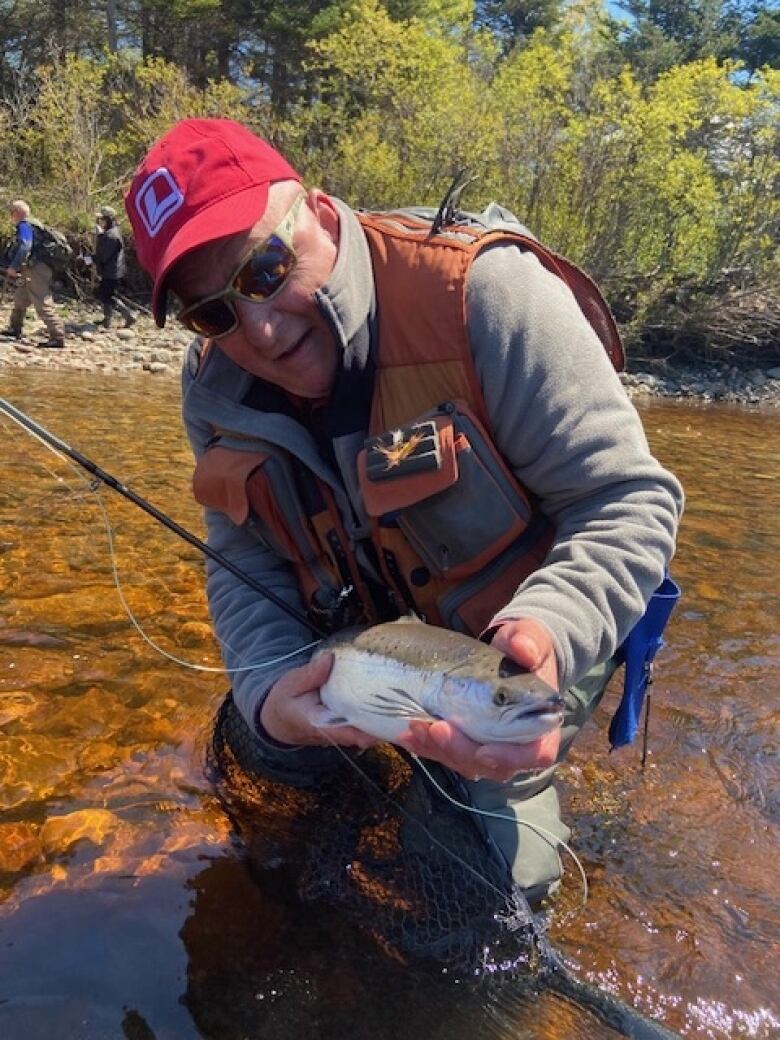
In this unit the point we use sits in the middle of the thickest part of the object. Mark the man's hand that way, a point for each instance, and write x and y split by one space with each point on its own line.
293 703
8 273
530 644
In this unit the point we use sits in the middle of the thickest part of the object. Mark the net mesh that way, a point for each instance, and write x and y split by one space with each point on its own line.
374 839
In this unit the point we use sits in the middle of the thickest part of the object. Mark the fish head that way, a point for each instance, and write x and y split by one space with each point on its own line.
515 708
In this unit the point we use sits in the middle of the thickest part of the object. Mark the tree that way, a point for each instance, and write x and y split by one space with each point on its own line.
759 38
515 21
663 33
394 108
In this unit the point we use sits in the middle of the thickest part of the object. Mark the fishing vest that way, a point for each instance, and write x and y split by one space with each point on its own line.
453 533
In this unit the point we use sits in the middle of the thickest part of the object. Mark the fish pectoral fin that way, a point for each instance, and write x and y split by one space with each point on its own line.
397 711
323 718
406 696
415 710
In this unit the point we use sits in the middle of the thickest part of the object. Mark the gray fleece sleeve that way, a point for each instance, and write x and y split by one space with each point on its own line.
561 418
254 635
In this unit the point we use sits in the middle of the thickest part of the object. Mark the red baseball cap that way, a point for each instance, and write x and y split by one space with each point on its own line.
203 179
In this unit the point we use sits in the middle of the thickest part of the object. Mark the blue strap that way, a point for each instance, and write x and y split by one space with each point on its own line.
22 246
639 649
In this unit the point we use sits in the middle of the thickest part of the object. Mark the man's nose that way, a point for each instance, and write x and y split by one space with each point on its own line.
259 322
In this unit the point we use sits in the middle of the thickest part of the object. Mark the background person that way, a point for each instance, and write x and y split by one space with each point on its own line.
308 346
111 267
32 281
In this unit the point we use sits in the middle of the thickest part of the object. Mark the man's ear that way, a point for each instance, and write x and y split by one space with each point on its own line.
323 208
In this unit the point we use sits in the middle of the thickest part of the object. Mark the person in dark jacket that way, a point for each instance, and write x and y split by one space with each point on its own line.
110 266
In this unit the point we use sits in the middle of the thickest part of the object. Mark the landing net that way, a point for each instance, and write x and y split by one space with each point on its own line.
373 838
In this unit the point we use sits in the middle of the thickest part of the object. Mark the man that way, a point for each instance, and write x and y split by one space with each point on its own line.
32 280
111 266
543 523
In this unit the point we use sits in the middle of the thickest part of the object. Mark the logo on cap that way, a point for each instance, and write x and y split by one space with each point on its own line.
157 199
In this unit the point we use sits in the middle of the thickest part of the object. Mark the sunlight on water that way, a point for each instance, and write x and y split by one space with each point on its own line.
125 911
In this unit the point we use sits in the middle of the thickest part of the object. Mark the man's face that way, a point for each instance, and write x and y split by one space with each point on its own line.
284 340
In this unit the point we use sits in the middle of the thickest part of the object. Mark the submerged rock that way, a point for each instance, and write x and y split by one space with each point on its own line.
20 846
60 832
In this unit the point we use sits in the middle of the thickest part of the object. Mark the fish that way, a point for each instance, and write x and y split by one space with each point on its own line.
390 674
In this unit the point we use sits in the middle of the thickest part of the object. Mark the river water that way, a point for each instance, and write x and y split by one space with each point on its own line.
127 909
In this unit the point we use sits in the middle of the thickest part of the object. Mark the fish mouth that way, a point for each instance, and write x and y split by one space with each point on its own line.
521 725
550 706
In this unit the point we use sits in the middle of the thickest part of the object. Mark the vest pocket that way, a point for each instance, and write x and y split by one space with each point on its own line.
297 521
254 488
471 605
220 478
463 514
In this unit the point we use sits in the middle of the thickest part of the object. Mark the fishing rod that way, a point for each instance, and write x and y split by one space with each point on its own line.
193 540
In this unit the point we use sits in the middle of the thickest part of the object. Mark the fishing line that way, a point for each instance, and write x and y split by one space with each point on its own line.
552 839
553 971
165 653
121 489
94 488
541 831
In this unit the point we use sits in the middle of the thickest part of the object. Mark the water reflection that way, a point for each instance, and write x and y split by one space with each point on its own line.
126 912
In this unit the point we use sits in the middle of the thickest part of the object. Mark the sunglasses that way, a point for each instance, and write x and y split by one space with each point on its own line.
258 278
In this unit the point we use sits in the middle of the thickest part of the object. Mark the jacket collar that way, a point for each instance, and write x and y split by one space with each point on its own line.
219 388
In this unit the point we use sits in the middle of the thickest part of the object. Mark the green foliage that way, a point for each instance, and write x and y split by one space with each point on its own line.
643 184
662 33
393 101
152 95
517 20
75 128
57 143
759 38
640 150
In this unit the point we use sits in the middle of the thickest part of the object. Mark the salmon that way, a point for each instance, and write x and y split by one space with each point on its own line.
390 674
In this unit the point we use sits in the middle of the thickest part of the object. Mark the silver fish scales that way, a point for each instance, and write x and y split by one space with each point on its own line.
385 676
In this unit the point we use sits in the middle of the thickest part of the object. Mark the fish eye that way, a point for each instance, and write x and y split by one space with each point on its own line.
500 698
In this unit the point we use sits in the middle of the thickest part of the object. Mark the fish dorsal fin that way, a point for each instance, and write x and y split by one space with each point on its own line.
406 619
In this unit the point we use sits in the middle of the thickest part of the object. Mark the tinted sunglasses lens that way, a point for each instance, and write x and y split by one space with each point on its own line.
212 318
265 271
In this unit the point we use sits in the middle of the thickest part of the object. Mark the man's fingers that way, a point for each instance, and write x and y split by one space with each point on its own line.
520 641
435 739
525 649
285 711
319 668
500 762
503 761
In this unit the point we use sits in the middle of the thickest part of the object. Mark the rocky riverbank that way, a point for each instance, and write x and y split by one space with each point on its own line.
90 348
158 352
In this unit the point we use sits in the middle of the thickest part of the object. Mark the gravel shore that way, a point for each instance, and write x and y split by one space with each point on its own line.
158 352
